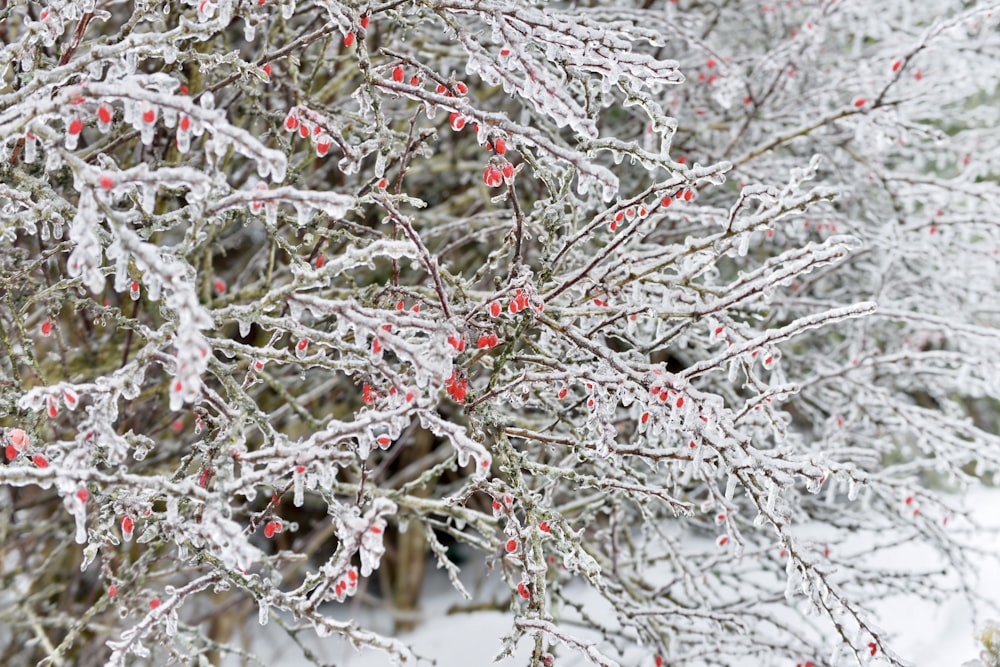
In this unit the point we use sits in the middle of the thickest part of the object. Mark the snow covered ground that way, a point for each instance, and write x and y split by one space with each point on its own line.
927 634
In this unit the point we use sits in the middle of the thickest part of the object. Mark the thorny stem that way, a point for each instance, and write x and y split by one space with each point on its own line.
429 262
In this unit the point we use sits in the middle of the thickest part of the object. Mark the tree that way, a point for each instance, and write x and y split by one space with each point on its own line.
692 303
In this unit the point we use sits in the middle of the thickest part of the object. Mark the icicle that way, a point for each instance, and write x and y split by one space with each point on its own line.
171 622
772 496
298 482
80 514
30 148
744 246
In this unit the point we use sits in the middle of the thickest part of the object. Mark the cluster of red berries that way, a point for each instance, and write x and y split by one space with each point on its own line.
641 210
457 387
487 341
295 122
271 527
346 585
349 37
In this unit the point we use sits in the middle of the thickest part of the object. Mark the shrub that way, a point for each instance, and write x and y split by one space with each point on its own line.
686 303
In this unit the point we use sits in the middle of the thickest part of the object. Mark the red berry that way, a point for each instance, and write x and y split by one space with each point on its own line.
860 102
127 525
492 177
397 73
500 146
154 603
522 590
267 70
495 309
461 88
104 113
83 495
291 123
349 37
896 65
364 21
18 438
323 145
544 526
76 126
112 589
149 116
511 546
40 461
46 328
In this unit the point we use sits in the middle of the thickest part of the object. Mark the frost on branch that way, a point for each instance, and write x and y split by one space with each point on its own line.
674 321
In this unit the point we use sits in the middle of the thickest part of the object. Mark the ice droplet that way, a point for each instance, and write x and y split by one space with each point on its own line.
299 484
